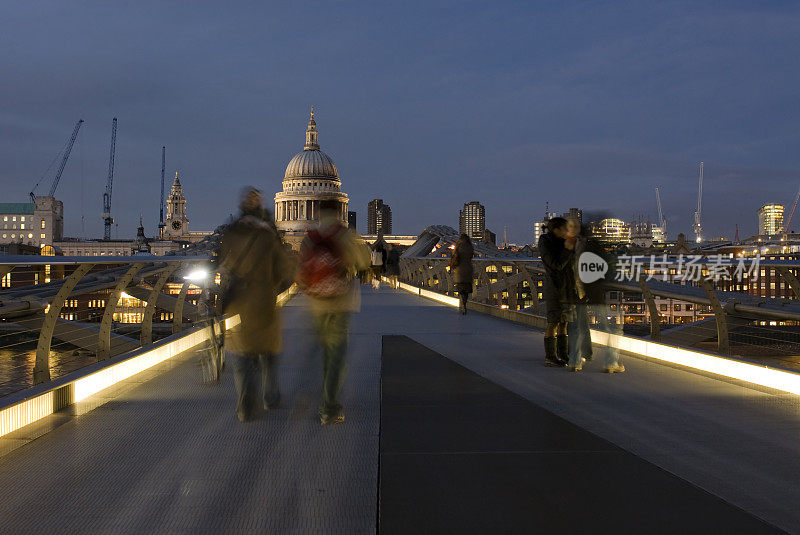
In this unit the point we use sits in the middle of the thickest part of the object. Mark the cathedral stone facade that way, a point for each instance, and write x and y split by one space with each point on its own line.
310 177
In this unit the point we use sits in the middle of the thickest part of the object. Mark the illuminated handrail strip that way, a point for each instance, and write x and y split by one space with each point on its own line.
784 381
63 394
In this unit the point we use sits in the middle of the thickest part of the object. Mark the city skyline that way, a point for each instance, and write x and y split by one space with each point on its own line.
571 104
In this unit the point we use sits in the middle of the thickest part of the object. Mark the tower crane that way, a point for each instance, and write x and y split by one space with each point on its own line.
791 213
107 219
67 151
661 221
161 209
698 225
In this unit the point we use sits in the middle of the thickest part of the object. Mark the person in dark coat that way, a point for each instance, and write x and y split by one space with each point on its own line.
254 266
393 264
557 253
461 269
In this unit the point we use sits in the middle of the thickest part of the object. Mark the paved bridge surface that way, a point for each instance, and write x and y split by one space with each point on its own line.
453 425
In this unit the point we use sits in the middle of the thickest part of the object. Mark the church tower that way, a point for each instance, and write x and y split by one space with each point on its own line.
177 225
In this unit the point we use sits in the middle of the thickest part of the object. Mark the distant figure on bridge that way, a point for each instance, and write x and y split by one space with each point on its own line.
378 261
255 266
557 254
590 297
330 256
393 264
461 268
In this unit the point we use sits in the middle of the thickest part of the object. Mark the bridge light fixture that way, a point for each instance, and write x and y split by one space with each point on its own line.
198 275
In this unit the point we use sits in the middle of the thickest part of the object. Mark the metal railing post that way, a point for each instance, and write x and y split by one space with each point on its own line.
723 343
104 338
41 370
791 279
147 321
177 312
655 317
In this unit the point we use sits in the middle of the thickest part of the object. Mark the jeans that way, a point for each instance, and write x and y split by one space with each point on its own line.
245 376
332 334
577 335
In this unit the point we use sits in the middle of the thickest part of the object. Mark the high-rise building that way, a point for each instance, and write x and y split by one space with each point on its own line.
310 178
352 220
770 219
472 220
537 226
612 230
379 218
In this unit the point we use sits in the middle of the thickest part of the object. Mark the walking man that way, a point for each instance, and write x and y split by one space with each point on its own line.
330 256
254 266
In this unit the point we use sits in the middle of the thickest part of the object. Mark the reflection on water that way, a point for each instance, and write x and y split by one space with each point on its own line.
16 364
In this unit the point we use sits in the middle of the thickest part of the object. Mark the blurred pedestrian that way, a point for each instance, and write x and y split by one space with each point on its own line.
556 253
393 264
330 256
378 261
461 269
254 266
591 295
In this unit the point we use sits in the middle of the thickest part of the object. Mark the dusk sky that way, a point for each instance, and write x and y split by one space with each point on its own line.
426 105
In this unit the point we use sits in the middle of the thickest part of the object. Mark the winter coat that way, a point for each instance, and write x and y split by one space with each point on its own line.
461 266
393 262
559 284
254 267
593 293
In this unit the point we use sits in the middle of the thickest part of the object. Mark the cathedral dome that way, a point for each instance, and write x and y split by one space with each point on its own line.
311 162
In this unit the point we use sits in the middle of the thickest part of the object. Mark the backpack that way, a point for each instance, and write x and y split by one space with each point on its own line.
377 258
322 270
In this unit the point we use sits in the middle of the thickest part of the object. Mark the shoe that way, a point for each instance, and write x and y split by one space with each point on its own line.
243 416
327 419
553 363
579 367
617 368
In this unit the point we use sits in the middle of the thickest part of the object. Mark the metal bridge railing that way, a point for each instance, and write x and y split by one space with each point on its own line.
61 313
733 322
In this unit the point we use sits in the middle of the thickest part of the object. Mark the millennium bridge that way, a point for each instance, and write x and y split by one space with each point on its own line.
453 423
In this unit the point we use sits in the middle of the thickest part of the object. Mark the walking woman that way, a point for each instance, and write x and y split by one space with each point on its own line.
557 252
461 269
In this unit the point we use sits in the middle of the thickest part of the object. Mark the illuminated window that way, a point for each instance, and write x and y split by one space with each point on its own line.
5 282
22 218
5 218
42 223
14 218
13 236
30 235
41 236
22 226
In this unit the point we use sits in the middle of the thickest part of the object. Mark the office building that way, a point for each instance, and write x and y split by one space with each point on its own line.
379 217
770 219
472 220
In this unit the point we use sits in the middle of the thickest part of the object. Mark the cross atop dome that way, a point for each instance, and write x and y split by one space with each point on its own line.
312 142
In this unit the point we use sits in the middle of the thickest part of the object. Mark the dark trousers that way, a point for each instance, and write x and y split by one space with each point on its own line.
332 334
245 375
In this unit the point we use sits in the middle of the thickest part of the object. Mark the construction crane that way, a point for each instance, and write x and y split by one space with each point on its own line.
791 213
107 219
661 221
698 225
67 151
161 210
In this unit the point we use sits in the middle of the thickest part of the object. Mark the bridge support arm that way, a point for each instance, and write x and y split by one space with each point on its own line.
177 312
791 279
104 338
41 370
655 317
723 343
147 321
